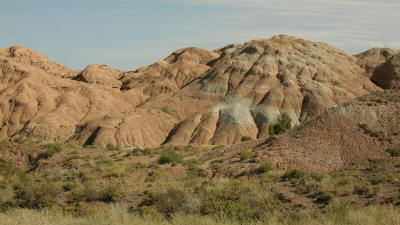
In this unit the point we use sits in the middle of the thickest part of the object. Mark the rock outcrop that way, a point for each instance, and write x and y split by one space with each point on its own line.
372 58
387 75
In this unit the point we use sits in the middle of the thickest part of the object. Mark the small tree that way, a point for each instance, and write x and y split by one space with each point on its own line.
284 123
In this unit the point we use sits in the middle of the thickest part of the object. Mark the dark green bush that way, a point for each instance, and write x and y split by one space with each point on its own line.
293 174
52 149
7 169
393 152
168 202
246 138
245 155
111 193
169 156
264 167
284 123
363 188
375 162
111 147
87 193
134 152
37 194
2 144
90 146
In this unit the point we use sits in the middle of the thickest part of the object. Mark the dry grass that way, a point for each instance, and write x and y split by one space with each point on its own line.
116 214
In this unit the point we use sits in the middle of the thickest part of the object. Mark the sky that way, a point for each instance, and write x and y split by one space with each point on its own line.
128 34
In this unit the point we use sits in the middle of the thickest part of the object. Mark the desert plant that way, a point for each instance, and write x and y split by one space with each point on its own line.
284 196
375 162
166 110
166 202
283 123
169 156
363 188
90 146
245 155
111 193
111 147
87 193
37 195
293 174
52 149
264 167
393 152
246 138
7 169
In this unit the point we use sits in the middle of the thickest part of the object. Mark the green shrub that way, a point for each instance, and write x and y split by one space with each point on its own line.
264 168
2 144
168 202
325 197
169 156
293 174
148 151
111 193
52 149
166 110
38 194
375 162
284 196
151 212
245 155
365 128
138 152
246 138
90 146
284 123
363 188
393 152
111 147
87 193
338 212
7 169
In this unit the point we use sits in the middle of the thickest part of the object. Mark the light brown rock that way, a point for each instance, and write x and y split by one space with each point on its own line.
387 75
372 58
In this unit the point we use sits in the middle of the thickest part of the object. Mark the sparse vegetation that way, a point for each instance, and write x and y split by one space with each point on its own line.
166 110
169 156
112 147
264 168
394 152
90 146
293 174
84 186
52 148
245 155
246 138
111 193
284 122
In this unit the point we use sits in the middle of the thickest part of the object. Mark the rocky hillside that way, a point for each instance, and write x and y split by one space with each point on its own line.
194 96
351 136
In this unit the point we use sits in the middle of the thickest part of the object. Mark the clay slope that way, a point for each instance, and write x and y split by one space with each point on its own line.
193 96
27 57
348 136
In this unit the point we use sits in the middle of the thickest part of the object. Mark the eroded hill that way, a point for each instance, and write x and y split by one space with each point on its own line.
194 96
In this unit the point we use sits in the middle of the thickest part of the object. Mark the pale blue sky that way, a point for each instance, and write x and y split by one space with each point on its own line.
128 34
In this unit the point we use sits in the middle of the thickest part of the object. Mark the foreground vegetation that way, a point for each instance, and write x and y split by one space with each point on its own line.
58 184
115 214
